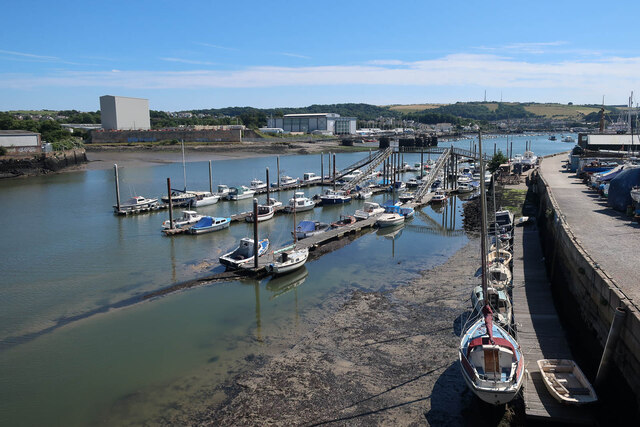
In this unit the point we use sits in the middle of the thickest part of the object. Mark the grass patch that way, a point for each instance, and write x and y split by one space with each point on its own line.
560 111
513 200
413 108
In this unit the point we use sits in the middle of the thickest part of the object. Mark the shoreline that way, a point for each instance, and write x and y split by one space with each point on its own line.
386 358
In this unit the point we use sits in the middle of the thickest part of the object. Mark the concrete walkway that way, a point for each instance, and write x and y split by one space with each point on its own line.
610 237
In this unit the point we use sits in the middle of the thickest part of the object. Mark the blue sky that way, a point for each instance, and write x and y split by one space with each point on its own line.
210 54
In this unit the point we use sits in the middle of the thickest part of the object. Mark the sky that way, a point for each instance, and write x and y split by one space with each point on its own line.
195 54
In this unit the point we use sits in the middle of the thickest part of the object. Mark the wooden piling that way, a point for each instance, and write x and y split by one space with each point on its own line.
115 169
255 233
334 172
210 179
268 199
170 204
278 166
322 168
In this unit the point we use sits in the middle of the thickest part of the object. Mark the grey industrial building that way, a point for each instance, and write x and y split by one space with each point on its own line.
20 141
317 122
124 113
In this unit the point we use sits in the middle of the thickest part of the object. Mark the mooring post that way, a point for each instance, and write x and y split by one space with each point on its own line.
115 169
268 199
321 168
329 168
421 161
210 178
334 171
494 148
278 166
610 346
511 150
255 233
170 203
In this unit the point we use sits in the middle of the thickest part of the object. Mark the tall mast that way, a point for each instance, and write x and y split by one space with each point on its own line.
483 221
184 169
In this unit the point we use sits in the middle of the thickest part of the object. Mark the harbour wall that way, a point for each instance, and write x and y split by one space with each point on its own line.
587 290
41 163
132 136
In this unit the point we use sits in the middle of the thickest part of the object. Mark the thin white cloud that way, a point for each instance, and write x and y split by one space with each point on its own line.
457 70
387 62
536 48
215 46
187 61
294 55
29 55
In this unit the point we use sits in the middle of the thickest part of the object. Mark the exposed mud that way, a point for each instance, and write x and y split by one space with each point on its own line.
381 358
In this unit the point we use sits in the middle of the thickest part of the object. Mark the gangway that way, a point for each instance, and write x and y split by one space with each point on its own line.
376 161
363 162
428 180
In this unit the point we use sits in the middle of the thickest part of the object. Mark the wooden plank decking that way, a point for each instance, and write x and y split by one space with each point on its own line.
540 333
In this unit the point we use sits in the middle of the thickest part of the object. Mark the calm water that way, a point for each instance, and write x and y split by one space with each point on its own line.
75 350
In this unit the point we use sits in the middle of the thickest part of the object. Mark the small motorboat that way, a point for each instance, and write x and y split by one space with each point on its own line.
136 203
334 198
369 209
344 221
274 202
188 217
413 183
566 382
310 178
209 224
389 219
439 197
239 193
243 254
265 213
180 198
286 180
364 194
406 197
300 202
288 259
205 198
310 228
223 191
256 184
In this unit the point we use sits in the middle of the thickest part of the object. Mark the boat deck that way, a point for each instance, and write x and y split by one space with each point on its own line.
540 333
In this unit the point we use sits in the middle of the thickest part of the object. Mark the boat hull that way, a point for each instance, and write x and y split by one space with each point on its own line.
206 201
204 230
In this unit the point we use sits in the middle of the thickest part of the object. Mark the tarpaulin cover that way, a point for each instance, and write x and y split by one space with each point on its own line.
205 221
619 188
306 226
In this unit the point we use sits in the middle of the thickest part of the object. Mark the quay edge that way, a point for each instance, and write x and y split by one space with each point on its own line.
585 288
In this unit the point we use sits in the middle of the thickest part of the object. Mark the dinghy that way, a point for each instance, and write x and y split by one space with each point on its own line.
566 382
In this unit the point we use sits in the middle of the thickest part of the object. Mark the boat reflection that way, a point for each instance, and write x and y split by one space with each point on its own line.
282 284
391 232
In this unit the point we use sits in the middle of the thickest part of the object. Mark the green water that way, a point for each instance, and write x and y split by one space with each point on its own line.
67 357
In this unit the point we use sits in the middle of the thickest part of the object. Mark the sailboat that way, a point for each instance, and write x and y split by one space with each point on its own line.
491 360
290 258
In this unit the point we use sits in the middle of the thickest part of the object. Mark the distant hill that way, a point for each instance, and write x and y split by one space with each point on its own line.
360 111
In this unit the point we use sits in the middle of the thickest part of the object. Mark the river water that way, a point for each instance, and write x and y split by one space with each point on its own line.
76 346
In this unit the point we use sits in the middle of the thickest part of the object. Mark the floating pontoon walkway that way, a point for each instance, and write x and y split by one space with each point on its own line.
539 331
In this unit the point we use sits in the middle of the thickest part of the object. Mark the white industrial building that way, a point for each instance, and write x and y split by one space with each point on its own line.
20 141
124 113
317 122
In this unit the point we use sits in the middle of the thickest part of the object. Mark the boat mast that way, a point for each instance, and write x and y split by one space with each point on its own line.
483 222
184 169
295 235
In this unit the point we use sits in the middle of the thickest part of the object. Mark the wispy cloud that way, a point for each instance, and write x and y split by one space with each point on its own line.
387 62
603 75
29 55
294 55
526 47
215 46
187 61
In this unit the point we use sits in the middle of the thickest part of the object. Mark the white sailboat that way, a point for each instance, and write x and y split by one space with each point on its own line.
491 360
290 258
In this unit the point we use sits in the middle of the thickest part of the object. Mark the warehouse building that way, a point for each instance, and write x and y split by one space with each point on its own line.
318 122
20 141
123 113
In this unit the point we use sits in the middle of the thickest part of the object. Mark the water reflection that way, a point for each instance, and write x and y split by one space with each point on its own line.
391 233
283 284
256 287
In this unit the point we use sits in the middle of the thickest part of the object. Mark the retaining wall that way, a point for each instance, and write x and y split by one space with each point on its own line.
39 164
595 294
205 135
